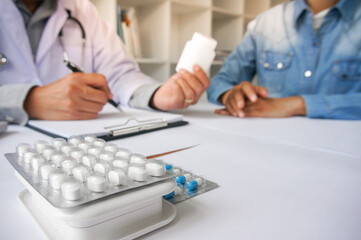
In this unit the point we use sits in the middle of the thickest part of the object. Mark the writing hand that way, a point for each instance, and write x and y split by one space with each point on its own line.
77 96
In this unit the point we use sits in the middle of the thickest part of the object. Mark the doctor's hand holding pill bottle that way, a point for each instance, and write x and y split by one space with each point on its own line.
181 90
186 86
74 97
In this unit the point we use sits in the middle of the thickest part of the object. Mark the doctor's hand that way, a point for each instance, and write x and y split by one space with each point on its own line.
235 98
181 90
272 108
77 96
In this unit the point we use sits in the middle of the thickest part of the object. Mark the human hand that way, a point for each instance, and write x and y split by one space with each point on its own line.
272 108
181 90
235 98
77 96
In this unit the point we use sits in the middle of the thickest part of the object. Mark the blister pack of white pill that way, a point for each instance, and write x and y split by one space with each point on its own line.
189 185
83 169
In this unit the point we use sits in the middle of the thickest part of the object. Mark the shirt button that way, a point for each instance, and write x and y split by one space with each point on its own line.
308 73
266 65
279 65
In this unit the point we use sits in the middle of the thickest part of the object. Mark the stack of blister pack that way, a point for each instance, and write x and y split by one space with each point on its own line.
86 188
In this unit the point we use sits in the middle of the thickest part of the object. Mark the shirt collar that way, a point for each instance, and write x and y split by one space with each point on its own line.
23 9
300 8
44 11
346 9
49 5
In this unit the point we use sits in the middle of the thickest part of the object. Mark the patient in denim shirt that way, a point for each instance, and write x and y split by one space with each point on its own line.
307 58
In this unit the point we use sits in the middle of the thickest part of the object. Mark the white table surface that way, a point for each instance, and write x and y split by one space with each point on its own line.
294 178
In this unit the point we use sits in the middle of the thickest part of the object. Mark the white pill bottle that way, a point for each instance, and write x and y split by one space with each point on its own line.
200 50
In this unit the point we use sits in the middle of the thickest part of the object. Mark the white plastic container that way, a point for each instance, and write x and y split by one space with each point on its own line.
123 216
200 50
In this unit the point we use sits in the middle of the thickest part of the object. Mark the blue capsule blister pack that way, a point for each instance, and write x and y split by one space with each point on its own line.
189 185
69 173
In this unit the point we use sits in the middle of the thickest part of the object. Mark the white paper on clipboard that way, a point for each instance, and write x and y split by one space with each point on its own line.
130 120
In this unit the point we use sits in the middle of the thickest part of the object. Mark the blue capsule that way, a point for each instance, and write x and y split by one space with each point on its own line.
176 171
177 191
168 167
192 193
180 179
169 195
183 178
192 185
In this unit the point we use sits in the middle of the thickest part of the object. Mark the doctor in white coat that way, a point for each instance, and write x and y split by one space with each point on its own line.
35 83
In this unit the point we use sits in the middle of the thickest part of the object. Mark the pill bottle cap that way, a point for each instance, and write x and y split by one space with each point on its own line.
204 41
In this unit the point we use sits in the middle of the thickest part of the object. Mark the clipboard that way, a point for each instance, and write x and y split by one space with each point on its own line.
111 124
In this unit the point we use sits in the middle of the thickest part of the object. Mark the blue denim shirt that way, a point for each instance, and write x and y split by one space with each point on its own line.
291 59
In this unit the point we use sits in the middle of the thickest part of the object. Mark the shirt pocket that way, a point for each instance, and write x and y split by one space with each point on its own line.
346 76
274 67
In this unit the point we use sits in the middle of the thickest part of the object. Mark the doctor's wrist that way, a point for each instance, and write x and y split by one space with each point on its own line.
151 103
29 105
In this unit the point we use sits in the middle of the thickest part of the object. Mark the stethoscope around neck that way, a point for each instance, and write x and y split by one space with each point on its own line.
4 60
83 38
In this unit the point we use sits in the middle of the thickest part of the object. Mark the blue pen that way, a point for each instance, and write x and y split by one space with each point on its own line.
74 68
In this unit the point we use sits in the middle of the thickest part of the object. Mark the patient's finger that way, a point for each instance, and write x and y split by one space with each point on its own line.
249 90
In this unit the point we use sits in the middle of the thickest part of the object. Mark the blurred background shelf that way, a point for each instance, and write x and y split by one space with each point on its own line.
166 25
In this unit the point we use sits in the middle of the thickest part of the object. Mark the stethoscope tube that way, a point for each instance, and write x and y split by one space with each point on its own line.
4 60
70 17
83 36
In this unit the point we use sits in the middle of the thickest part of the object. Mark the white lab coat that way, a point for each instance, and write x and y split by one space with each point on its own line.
104 52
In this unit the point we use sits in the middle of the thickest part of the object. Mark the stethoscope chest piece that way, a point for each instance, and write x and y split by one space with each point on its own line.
3 60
